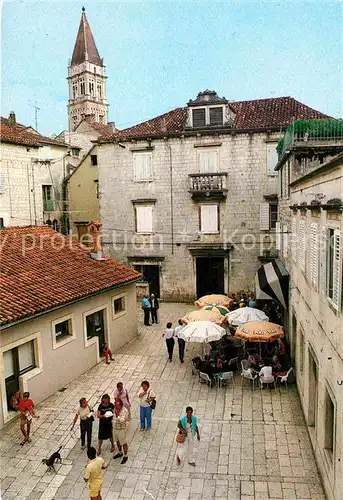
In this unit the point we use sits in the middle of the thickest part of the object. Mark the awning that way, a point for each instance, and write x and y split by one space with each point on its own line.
271 282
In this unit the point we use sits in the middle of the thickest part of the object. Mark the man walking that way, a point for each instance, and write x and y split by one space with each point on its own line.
180 341
120 429
146 309
169 338
153 307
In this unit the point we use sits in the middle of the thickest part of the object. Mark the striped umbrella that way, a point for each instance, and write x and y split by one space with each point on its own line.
213 300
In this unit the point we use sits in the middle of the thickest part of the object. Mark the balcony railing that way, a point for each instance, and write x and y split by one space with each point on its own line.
48 205
208 185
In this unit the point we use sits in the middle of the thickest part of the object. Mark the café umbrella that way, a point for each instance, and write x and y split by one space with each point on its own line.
220 309
213 300
202 331
245 315
203 315
259 331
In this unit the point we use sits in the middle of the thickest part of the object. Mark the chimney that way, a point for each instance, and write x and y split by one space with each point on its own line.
112 126
11 118
94 229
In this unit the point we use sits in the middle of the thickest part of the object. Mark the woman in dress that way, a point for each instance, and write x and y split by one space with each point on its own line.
105 415
187 425
121 393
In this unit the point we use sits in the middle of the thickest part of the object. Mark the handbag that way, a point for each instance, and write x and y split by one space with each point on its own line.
153 404
181 437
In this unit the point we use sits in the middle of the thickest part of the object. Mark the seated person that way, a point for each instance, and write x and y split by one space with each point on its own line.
254 360
266 373
276 365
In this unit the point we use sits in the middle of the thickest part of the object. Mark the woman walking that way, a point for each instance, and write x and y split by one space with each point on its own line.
168 335
188 426
26 407
93 476
146 399
85 412
121 393
105 415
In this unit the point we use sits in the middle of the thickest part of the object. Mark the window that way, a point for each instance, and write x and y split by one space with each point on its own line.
142 165
278 236
216 116
101 118
2 223
82 86
118 305
209 218
314 254
208 161
75 152
268 216
334 267
99 89
74 90
302 244
209 116
48 202
199 117
94 160
63 329
144 219
329 438
91 87
97 188
272 159
294 239
284 241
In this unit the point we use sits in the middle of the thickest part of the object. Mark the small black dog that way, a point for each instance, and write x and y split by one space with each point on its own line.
55 457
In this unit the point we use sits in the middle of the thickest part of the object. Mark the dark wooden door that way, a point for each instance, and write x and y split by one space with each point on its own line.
151 274
12 374
209 275
96 327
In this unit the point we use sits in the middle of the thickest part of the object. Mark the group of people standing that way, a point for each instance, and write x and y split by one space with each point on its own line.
170 335
150 307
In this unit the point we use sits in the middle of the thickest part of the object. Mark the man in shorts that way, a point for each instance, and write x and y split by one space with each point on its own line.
93 476
120 429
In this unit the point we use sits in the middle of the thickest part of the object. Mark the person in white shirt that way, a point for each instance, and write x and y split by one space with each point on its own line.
168 335
180 341
266 372
146 398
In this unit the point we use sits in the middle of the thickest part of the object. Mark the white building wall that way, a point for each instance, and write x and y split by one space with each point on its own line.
242 156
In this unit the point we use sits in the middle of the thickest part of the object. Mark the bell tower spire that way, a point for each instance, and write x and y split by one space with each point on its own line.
87 79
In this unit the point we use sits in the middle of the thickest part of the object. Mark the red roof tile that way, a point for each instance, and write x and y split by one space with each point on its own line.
41 269
255 115
19 134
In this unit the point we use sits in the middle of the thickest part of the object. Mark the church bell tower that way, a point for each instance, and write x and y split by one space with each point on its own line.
86 79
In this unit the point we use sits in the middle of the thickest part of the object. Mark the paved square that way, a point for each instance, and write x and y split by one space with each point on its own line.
254 444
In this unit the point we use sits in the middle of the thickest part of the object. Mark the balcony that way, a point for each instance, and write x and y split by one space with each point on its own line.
208 186
48 205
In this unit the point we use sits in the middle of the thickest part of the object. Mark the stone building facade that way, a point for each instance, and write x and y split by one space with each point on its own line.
311 207
190 198
32 168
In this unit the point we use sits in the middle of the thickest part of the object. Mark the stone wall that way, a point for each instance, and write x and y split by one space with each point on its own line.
242 156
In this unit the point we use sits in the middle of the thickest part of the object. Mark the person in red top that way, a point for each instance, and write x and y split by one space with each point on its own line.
26 407
107 353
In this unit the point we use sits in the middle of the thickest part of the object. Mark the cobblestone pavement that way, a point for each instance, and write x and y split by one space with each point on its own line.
254 445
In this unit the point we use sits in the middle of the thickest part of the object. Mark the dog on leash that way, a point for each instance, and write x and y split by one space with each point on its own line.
55 457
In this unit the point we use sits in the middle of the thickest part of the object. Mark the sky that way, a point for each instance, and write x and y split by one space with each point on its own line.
158 55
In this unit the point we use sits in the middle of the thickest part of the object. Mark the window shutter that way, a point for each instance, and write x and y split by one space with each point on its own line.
314 254
144 219
2 182
142 164
264 216
294 239
285 241
323 259
199 117
337 269
208 162
278 235
209 218
216 116
302 244
272 158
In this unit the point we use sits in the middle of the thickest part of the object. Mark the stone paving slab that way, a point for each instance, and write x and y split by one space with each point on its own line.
254 444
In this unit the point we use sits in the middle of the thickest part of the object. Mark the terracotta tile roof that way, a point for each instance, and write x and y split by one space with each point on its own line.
85 48
41 269
19 134
255 115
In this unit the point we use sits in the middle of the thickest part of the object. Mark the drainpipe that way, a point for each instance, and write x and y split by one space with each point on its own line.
29 192
34 193
171 199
